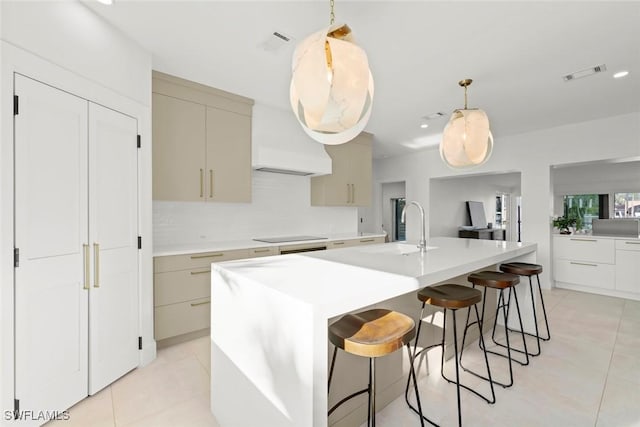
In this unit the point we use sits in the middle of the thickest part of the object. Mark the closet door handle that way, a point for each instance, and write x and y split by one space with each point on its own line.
85 250
96 265
201 183
210 182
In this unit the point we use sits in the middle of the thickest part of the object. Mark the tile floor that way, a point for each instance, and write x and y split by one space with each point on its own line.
587 375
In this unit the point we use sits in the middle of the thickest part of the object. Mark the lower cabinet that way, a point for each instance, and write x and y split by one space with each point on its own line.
182 287
628 266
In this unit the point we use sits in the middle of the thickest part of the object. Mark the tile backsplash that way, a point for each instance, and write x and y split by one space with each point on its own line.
280 206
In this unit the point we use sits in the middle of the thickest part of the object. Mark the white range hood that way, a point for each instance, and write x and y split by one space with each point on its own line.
280 145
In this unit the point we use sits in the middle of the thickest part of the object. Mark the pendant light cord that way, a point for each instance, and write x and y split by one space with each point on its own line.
465 97
332 16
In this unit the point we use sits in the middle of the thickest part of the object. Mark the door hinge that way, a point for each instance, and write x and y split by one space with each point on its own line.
15 105
139 343
16 257
139 141
139 242
16 409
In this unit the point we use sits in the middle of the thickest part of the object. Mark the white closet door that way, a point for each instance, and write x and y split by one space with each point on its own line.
113 202
50 230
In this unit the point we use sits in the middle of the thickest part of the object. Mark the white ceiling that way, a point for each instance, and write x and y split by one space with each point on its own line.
516 52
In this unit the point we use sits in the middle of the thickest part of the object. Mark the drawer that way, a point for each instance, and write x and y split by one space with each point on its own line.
195 260
181 318
180 286
628 245
258 252
369 240
585 273
584 249
337 244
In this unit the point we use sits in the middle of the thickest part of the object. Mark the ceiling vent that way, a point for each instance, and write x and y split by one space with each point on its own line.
585 73
275 41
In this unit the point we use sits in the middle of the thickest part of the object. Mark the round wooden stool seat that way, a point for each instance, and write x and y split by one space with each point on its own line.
494 279
372 333
450 296
521 268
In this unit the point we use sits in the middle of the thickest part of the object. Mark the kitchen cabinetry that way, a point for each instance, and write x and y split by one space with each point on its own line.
628 266
484 234
350 182
182 292
610 266
76 237
201 142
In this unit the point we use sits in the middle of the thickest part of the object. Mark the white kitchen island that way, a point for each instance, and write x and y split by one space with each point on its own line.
269 318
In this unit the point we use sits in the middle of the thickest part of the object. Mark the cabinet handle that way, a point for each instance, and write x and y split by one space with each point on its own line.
200 272
583 263
338 243
367 240
348 194
210 182
96 265
194 304
258 251
584 240
201 183
85 250
206 256
632 243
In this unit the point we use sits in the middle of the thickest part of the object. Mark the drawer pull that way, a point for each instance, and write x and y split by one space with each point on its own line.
584 240
367 240
194 304
583 263
632 243
206 256
201 272
258 251
338 243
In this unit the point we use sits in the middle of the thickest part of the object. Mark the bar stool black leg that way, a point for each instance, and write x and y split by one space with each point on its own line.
333 363
372 391
455 350
544 310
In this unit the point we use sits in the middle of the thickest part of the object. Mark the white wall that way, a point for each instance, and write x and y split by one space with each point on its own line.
448 196
280 206
531 154
66 45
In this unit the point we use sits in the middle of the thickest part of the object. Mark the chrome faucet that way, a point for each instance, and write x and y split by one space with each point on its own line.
423 241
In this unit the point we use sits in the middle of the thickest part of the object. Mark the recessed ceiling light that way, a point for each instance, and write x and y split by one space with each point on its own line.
620 74
424 125
585 73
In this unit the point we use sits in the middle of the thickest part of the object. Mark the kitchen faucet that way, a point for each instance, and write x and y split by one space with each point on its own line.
423 241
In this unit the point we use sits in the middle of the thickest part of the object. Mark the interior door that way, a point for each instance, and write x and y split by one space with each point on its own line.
113 231
50 232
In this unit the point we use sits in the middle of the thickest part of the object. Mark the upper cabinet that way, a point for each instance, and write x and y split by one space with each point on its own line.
350 183
201 142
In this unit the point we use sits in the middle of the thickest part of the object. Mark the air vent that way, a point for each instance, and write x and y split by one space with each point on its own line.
585 73
275 41
433 116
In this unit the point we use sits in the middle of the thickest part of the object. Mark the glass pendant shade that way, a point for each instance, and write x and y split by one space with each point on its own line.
331 89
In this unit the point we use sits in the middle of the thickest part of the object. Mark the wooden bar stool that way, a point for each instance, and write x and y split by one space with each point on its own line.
451 297
528 270
372 333
501 282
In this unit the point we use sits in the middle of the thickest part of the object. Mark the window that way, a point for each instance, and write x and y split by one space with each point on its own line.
626 205
585 207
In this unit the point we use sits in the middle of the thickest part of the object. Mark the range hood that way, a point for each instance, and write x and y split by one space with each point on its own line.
280 145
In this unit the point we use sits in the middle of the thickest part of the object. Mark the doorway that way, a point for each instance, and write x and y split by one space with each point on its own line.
398 226
393 200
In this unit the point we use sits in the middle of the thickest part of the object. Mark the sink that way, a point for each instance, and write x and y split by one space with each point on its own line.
394 249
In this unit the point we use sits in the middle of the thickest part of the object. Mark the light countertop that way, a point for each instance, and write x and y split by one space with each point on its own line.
598 236
214 246
341 280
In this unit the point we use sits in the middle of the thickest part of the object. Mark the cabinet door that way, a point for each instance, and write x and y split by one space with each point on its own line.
228 172
360 170
51 224
178 149
628 271
113 231
336 188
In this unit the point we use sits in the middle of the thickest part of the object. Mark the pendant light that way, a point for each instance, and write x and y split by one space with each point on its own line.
331 89
466 140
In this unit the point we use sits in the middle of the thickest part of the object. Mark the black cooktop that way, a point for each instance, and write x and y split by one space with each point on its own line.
287 239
